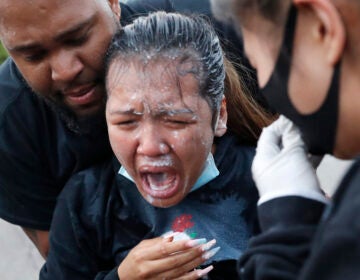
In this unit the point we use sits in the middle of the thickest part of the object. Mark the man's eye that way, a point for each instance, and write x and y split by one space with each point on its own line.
34 57
77 41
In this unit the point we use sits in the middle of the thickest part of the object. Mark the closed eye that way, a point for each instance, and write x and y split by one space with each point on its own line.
35 57
76 41
126 123
178 123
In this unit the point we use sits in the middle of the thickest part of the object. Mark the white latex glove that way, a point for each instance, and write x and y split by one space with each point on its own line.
281 166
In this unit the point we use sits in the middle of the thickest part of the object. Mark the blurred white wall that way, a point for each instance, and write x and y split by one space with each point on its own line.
19 259
330 172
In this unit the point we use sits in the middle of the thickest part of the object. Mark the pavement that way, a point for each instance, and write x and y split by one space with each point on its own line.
20 260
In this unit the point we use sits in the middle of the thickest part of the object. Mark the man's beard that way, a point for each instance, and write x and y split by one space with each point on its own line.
79 125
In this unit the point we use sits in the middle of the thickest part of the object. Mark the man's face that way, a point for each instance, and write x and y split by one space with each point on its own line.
160 129
59 47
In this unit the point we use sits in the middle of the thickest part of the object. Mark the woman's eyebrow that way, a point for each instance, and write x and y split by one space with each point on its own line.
171 112
126 112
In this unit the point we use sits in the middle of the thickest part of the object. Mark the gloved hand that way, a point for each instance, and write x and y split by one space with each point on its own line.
281 166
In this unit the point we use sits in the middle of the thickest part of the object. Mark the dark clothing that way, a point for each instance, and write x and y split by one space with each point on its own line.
100 216
294 245
38 152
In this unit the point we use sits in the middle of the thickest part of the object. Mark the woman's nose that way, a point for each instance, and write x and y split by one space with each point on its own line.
152 142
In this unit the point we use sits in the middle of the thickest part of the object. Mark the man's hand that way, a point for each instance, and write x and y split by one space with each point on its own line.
162 258
281 166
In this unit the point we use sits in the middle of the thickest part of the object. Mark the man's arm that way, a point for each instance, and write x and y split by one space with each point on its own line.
40 238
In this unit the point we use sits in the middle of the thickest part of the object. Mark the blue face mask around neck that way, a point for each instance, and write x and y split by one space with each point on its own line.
209 172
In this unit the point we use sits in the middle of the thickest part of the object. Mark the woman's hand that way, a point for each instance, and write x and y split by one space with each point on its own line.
162 258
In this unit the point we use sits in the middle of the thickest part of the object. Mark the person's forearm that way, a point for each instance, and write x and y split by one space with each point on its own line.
40 238
288 226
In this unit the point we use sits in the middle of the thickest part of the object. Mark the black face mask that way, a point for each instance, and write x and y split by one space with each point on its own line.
319 128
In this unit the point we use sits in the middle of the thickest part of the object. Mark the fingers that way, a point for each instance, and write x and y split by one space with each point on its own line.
291 135
162 258
196 274
281 134
269 142
189 259
187 271
181 261
275 142
158 248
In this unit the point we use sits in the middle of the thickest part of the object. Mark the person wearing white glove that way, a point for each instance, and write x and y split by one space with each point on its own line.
281 166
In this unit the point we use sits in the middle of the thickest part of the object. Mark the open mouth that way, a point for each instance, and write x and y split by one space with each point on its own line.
82 96
160 184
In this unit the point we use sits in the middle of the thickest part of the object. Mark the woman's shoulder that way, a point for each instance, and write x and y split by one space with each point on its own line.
91 188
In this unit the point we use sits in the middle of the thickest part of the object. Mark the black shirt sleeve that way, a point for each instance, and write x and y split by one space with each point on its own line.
71 255
27 193
302 241
38 152
288 226
74 239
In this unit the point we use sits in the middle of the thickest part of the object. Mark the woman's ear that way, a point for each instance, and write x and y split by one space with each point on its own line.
330 27
220 126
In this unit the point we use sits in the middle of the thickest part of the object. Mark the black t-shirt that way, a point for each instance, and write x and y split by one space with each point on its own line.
38 153
101 215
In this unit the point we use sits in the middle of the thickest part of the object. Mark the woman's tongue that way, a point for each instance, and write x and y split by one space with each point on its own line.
160 181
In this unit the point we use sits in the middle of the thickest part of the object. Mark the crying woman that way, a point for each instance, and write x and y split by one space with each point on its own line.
182 203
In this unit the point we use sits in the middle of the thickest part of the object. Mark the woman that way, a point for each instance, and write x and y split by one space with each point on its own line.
166 112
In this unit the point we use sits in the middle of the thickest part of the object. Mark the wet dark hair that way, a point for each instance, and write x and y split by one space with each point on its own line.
185 38
182 38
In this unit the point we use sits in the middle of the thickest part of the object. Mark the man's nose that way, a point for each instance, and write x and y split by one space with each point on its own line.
65 66
152 143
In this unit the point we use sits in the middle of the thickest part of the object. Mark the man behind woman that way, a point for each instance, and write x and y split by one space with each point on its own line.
182 129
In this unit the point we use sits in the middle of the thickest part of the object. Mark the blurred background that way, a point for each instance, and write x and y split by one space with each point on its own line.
3 53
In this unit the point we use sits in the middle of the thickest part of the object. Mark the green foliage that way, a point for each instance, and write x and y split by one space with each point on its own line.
3 54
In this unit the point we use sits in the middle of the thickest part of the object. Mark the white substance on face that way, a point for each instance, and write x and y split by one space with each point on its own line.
163 148
149 199
158 162
186 183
